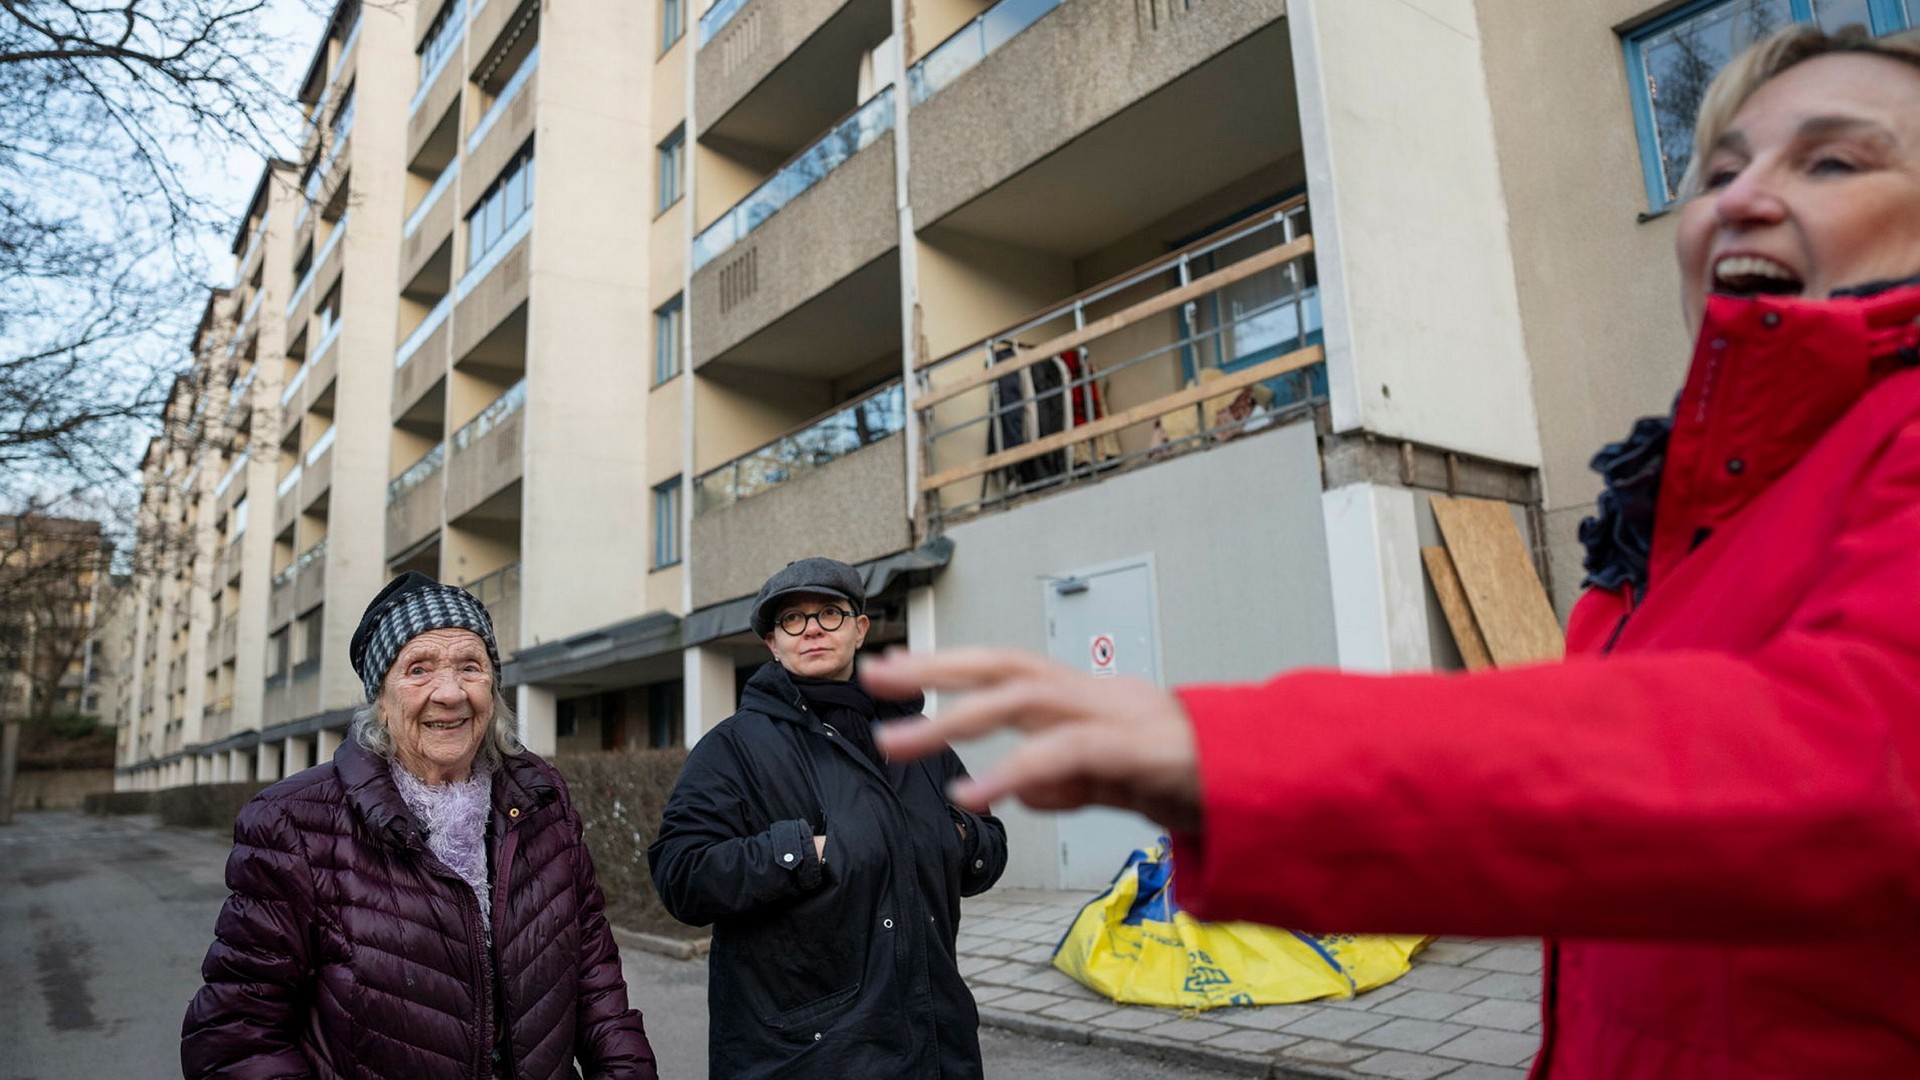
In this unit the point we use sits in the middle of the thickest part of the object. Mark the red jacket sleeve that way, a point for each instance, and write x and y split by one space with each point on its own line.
1686 795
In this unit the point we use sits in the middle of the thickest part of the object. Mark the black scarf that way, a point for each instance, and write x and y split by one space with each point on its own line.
845 706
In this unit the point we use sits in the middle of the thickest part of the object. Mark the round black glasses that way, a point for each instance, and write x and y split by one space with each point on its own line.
794 623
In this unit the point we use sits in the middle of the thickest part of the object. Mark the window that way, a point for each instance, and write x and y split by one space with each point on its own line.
441 37
277 651
311 633
666 524
1672 60
673 22
666 341
503 206
671 152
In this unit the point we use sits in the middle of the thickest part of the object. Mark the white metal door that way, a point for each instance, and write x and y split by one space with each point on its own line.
1103 620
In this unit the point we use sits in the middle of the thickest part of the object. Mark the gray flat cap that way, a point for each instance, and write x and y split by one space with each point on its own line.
810 577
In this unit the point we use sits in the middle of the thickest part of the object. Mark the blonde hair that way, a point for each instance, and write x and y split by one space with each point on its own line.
1769 57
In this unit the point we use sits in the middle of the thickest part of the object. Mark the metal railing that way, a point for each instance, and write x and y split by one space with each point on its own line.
860 423
861 129
972 43
491 417
417 473
718 16
498 587
1240 335
427 201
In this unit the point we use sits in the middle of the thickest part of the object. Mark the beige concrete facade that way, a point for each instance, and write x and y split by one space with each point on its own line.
746 312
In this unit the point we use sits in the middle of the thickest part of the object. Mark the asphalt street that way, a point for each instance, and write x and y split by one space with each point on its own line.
103 922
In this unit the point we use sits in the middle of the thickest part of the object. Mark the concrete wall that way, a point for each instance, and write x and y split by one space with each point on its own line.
1240 556
1598 291
58 789
852 509
1041 90
747 49
841 224
1418 293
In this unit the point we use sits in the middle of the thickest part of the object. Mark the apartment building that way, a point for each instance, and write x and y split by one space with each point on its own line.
1137 332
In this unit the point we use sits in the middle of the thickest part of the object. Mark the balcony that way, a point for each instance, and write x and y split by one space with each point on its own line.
1216 341
1066 135
421 360
286 499
310 577
439 89
227 639
839 480
819 222
415 501
280 600
316 479
486 455
330 258
780 65
502 131
494 290
500 592
489 23
430 226
233 483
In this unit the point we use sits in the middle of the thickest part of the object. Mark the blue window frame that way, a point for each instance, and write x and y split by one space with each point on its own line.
666 524
673 22
666 340
672 153
1672 59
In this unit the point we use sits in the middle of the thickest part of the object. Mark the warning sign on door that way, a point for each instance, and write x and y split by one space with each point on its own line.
1101 652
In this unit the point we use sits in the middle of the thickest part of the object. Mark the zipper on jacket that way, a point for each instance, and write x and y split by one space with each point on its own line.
497 987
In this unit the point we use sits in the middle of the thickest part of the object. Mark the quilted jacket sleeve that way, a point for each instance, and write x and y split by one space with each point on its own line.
1705 795
708 861
611 1038
245 1022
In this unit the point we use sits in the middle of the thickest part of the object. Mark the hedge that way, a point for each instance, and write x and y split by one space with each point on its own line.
205 806
120 802
620 797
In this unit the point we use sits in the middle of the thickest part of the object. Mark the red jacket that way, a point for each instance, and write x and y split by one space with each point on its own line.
1717 818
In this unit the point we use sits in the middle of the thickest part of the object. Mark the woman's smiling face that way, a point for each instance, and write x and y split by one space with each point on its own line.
1815 186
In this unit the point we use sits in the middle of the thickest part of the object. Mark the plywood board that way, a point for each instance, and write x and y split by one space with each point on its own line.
1504 592
1453 602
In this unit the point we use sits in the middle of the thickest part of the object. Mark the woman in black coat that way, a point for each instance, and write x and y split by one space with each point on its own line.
832 877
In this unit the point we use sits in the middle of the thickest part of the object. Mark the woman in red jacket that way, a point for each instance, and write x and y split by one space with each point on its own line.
1712 806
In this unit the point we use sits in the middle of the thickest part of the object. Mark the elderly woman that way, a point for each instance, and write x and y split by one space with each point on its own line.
423 905
1713 805
832 876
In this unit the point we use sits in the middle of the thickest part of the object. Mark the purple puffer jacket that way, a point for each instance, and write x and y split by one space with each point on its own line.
348 950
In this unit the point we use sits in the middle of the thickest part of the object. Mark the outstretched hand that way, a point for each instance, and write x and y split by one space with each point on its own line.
1109 741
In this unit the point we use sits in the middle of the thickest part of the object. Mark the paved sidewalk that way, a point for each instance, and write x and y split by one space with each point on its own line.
1469 1009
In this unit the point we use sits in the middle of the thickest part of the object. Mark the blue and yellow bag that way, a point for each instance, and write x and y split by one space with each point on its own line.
1133 944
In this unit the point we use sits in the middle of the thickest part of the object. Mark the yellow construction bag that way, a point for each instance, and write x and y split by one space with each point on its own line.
1133 944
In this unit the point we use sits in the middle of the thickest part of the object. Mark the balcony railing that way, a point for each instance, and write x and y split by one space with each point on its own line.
852 135
498 587
717 16
972 43
1246 347
321 445
288 481
440 184
490 417
862 422
417 473
253 239
305 559
422 332
233 470
507 94
294 384
499 250
455 30
253 306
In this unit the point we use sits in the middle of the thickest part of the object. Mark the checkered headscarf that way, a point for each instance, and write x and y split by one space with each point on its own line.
410 605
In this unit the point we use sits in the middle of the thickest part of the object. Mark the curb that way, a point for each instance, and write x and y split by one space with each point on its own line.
676 948
1228 1062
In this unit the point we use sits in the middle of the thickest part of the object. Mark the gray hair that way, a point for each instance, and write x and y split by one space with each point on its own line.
501 741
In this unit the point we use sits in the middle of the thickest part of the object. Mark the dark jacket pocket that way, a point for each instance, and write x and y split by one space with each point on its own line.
816 1015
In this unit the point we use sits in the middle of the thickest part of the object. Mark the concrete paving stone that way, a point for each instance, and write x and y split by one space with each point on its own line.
1324 1051
1264 1017
1366 1001
1039 1027
1035 954
1442 977
1338 1025
987 925
1253 1042
1502 1015
1078 1011
1187 1055
1040 933
1187 1030
1028 1001
999 974
1416 1036
983 995
1513 959
1450 950
1487 1072
1403 1066
1425 1005
1491 1047
1505 987
972 967
1132 1018
1000 947
1052 980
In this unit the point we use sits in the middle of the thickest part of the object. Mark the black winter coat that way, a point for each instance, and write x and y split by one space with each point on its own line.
835 970
349 950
